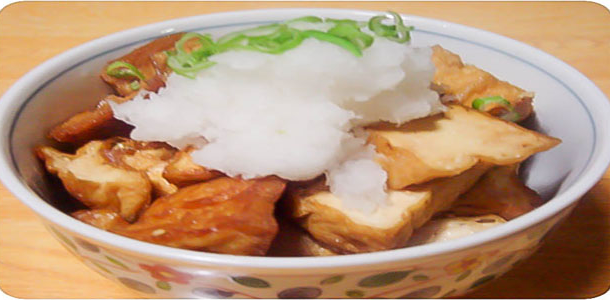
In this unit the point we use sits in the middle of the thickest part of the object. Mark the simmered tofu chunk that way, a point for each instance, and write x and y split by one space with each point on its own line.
350 231
98 123
224 215
450 228
464 83
182 171
499 192
89 177
117 174
448 144
150 60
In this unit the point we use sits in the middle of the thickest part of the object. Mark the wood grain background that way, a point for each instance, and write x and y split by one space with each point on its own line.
574 263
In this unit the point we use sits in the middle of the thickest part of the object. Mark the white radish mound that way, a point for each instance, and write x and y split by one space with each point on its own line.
292 115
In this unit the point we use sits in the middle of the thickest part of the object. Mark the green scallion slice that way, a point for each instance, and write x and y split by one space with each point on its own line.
397 32
483 104
353 34
309 19
280 37
330 38
135 85
121 69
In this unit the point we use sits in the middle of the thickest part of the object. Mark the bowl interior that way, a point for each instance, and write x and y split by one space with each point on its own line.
71 84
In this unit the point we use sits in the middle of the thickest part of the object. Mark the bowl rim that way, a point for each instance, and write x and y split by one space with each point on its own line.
13 98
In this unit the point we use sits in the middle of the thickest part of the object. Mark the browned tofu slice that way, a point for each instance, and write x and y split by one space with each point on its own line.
448 144
499 192
150 60
182 171
464 83
346 230
116 174
89 178
224 215
450 228
150 158
98 123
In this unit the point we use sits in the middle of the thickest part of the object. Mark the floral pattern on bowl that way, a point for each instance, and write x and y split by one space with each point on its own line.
446 275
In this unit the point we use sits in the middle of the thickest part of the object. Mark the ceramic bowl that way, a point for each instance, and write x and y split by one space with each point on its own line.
567 104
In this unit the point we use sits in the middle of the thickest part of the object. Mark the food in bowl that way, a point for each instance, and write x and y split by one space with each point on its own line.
335 125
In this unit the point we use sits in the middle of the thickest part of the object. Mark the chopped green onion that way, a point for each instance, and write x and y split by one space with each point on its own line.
280 37
397 32
121 69
189 63
309 19
347 22
353 34
283 39
257 31
187 66
339 41
483 103
206 49
135 85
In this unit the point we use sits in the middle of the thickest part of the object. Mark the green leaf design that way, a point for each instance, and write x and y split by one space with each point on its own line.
116 262
355 293
331 280
251 282
420 277
101 267
383 279
463 276
136 285
164 285
482 280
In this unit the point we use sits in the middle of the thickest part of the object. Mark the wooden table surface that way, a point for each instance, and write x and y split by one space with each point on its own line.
574 263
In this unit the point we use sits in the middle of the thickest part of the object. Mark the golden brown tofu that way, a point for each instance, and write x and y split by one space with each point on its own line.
182 171
148 157
90 178
390 226
448 144
450 228
150 60
98 123
499 192
224 215
464 83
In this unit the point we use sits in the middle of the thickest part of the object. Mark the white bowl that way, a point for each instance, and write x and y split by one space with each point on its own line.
567 104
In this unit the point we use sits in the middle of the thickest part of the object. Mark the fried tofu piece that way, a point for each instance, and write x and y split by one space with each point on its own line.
98 123
346 230
150 60
293 240
450 228
448 144
224 215
499 192
464 83
182 171
149 157
119 174
90 178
